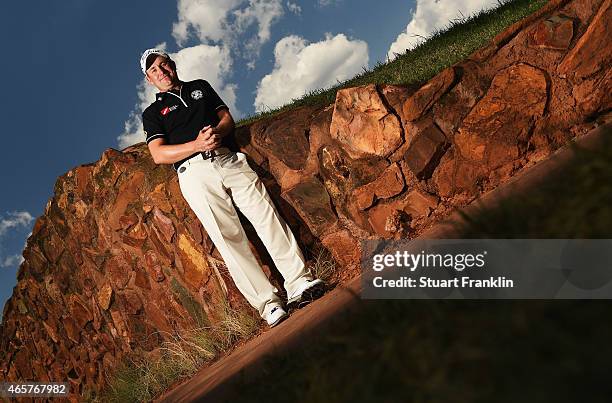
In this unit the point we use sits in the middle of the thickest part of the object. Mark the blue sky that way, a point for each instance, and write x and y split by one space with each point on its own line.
74 87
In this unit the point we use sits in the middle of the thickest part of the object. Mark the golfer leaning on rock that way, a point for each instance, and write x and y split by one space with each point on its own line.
186 126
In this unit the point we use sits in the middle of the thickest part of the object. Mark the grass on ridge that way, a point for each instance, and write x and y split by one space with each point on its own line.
442 49
323 265
138 379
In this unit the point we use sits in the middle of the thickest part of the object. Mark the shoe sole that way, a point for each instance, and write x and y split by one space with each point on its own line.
311 294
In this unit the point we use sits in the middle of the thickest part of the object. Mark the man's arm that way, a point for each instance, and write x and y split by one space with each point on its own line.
226 123
168 154
208 139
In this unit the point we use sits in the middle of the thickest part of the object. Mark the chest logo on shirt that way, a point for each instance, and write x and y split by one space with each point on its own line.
167 109
197 94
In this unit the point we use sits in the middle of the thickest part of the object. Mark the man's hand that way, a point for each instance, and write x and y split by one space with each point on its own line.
207 140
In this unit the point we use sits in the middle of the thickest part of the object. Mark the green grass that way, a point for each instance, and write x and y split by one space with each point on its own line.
442 49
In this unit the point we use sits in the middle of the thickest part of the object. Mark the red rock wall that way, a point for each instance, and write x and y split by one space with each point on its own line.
118 260
384 161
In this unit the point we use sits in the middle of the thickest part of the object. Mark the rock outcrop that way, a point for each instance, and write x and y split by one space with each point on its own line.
118 262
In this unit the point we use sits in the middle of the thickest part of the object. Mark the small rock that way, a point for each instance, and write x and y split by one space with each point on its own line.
425 151
553 33
388 184
104 296
427 95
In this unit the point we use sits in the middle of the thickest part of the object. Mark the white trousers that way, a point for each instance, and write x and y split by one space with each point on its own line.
204 185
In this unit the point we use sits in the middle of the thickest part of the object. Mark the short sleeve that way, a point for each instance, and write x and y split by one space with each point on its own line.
212 97
152 125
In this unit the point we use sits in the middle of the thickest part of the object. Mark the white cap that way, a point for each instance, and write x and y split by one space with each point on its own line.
147 53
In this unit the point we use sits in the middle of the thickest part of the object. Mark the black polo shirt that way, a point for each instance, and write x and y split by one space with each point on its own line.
178 117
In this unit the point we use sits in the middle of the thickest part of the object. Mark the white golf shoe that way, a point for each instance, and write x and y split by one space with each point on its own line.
276 315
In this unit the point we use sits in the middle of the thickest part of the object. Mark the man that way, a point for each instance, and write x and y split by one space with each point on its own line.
187 126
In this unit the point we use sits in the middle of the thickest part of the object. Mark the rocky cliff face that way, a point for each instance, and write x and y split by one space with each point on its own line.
118 261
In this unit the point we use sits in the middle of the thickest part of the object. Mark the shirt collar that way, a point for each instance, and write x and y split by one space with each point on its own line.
161 95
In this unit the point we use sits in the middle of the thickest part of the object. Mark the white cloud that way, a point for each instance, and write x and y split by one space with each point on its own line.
132 132
325 3
300 67
294 8
213 63
15 219
207 20
11 261
224 22
263 13
430 16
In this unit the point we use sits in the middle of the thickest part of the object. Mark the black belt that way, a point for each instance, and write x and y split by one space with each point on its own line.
206 155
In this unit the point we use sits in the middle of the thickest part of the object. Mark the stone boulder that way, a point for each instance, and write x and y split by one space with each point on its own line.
364 124
498 127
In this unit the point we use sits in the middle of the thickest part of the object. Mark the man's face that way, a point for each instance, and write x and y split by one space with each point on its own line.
162 74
